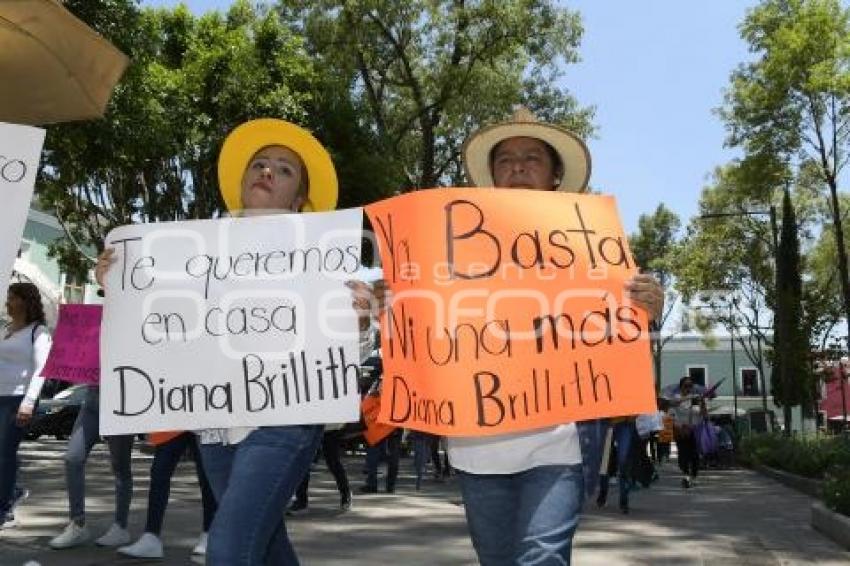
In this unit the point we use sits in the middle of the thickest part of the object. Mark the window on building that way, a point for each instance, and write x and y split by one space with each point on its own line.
749 382
697 375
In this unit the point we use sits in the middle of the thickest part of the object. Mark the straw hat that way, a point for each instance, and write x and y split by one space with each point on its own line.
574 154
250 137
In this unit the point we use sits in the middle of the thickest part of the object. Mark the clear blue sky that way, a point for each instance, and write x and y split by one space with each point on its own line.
654 70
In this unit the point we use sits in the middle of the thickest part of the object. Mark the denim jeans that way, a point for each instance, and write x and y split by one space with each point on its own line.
10 438
165 460
524 518
83 437
623 437
427 446
253 481
390 447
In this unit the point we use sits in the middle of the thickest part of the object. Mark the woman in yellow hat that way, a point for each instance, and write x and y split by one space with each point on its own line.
266 166
273 166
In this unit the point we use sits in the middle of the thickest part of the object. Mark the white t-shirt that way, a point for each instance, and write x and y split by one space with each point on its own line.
682 409
22 358
516 452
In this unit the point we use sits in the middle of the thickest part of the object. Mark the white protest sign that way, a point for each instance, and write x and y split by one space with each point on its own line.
20 148
231 322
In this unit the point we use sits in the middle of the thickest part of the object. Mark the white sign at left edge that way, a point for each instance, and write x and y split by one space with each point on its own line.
20 149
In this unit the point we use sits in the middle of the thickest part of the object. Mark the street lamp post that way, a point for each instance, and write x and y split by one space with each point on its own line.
734 371
771 212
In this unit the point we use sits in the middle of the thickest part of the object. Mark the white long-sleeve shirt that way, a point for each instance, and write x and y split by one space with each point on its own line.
22 358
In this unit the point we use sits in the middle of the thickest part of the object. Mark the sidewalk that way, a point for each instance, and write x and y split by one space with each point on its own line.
732 517
408 527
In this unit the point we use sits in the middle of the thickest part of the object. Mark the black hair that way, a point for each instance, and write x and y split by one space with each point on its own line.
31 297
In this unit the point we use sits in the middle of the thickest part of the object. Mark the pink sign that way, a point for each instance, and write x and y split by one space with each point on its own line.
75 355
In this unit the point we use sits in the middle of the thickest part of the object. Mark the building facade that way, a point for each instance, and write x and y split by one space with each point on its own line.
709 362
34 265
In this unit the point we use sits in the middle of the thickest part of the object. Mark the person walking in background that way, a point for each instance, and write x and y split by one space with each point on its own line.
169 449
390 449
688 409
427 446
331 440
83 437
24 348
666 434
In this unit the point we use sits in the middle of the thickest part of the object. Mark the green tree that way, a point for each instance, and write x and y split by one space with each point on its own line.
789 109
725 265
726 262
791 373
654 247
153 155
423 74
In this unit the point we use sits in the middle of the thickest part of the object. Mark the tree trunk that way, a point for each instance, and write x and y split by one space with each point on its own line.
427 178
842 257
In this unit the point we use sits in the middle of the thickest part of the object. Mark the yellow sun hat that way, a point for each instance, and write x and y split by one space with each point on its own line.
574 154
249 137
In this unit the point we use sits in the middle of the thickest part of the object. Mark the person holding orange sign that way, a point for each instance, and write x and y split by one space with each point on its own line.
523 492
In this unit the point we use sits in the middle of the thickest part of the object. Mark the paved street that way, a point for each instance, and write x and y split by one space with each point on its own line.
732 517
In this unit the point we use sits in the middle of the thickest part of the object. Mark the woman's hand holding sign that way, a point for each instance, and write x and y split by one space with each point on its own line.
368 300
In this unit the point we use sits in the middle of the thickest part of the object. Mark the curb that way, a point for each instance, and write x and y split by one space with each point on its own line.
812 488
834 525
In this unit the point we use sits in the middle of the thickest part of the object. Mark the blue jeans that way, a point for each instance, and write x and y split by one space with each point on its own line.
165 460
83 437
391 448
253 481
623 436
10 438
524 518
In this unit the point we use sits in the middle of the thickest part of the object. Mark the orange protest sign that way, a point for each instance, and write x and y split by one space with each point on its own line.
375 431
508 313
